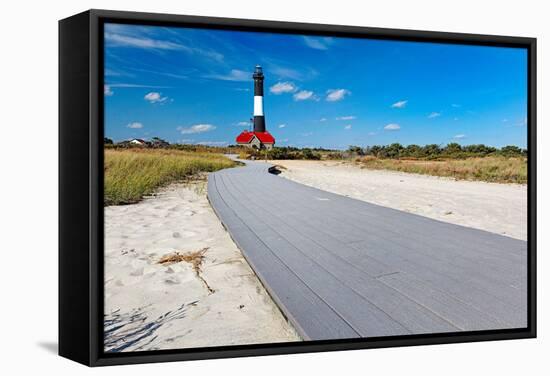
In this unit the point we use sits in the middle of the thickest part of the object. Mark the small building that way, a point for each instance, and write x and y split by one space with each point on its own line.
256 140
138 142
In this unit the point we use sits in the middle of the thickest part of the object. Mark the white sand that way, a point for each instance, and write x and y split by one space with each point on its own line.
150 306
498 208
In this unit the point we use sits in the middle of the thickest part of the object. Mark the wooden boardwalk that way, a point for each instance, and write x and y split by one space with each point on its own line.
342 268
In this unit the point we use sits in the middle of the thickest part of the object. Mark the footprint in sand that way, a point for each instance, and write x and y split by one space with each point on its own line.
172 339
185 234
172 281
137 272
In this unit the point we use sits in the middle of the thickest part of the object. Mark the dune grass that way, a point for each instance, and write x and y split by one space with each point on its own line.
495 169
131 174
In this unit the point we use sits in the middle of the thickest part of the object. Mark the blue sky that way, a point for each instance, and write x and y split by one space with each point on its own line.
195 86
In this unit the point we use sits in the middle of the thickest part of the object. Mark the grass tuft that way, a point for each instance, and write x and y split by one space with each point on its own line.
194 258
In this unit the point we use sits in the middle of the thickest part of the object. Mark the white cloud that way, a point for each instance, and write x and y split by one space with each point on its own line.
112 73
371 134
243 123
123 85
323 119
334 95
159 73
459 136
318 43
282 125
155 97
392 127
456 105
283 87
120 40
307 134
434 115
288 73
213 143
350 117
135 125
233 75
107 91
197 128
520 123
347 127
399 104
304 95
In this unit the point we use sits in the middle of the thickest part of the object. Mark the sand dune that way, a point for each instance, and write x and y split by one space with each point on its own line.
498 208
152 306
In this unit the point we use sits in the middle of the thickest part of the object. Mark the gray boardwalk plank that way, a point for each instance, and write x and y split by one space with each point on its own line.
342 268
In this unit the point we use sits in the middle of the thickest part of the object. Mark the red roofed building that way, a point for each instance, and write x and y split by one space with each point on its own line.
257 140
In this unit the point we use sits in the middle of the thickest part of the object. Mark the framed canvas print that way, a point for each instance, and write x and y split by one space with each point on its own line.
240 187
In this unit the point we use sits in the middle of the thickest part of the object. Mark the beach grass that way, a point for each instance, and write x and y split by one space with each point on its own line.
496 169
131 174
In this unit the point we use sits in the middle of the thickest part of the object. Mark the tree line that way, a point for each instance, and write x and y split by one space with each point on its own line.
431 151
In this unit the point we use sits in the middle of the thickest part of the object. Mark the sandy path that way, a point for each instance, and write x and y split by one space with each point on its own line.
498 208
150 306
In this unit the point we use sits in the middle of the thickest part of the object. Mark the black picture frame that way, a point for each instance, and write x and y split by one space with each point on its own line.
81 186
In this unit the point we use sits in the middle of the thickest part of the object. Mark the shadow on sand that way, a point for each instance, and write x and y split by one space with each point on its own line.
51 347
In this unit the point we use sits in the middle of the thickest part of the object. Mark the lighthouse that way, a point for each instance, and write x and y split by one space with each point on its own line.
259 119
259 138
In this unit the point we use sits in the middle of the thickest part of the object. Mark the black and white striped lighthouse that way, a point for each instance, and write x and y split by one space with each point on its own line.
259 138
259 120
